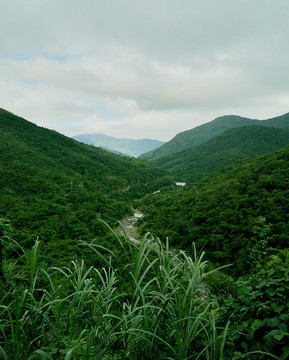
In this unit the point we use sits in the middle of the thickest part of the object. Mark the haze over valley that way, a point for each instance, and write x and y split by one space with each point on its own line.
124 146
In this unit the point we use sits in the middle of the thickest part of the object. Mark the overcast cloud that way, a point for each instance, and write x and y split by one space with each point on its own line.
142 68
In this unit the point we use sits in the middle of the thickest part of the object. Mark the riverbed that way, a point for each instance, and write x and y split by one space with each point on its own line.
129 224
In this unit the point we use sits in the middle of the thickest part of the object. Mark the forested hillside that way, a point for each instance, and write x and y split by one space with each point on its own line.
55 188
222 150
203 133
220 213
239 216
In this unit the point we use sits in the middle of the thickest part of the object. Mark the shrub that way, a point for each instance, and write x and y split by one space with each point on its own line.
260 314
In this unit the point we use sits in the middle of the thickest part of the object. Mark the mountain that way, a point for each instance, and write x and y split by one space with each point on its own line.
203 133
227 212
118 300
222 150
124 146
56 188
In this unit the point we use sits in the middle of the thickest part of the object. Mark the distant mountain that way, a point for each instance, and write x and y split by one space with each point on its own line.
56 188
123 146
202 133
222 150
112 151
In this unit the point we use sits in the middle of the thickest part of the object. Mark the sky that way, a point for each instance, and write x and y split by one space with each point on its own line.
142 68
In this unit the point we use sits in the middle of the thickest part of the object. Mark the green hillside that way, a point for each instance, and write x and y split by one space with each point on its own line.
69 290
222 150
55 188
204 132
124 146
220 213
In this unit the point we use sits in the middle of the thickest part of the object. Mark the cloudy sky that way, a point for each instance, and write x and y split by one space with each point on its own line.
142 68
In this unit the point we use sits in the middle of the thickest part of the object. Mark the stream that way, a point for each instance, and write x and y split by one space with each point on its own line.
129 224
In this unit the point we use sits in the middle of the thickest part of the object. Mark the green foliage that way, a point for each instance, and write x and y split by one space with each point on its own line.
55 188
145 301
261 249
203 133
221 212
260 315
80 312
5 230
222 285
198 161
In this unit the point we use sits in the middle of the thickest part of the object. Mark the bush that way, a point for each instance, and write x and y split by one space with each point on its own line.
260 314
80 312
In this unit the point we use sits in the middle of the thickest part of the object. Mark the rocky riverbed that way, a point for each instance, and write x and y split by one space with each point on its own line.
129 224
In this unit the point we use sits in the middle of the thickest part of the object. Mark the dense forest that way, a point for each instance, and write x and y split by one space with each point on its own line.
221 212
239 216
55 188
222 150
208 278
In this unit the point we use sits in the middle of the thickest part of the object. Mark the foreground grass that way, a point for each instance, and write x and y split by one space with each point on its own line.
155 307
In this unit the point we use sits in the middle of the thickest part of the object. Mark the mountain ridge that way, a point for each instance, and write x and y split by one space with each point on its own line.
204 132
222 150
125 146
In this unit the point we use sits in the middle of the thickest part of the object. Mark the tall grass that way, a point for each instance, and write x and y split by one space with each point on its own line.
155 307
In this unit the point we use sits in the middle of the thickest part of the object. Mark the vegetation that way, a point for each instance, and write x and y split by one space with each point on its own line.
220 212
222 150
259 314
82 312
205 132
157 305
70 288
55 188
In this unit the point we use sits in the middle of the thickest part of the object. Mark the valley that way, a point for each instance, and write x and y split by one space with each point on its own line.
209 282
129 225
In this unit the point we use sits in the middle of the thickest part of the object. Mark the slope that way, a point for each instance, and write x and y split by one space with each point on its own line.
222 212
125 146
56 188
222 150
202 133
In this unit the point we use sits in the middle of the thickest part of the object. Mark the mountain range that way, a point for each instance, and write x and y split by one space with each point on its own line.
203 133
116 145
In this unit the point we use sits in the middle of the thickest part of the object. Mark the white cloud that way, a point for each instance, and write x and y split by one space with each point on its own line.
142 69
